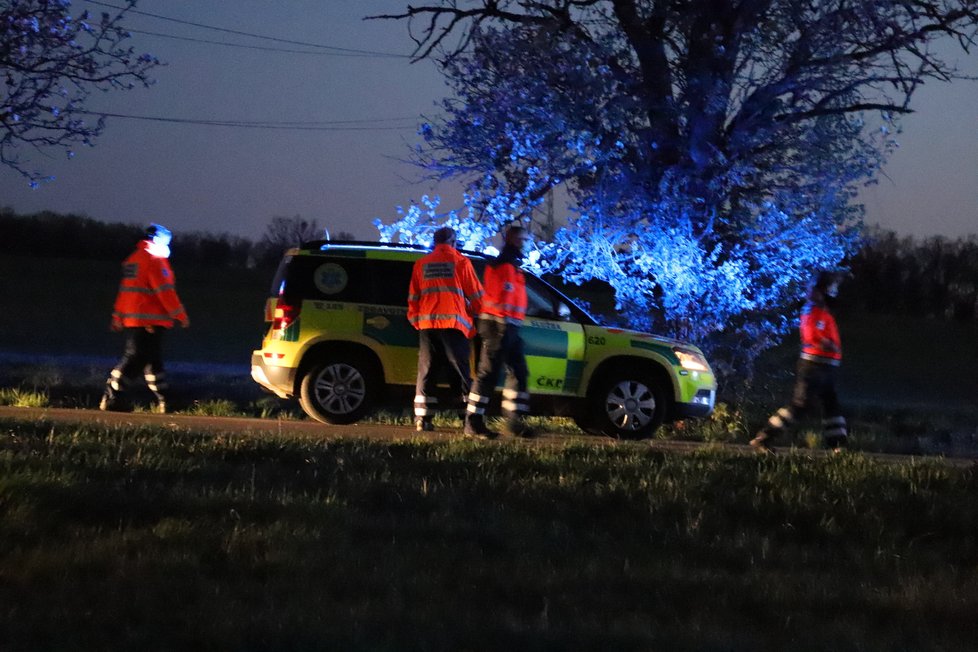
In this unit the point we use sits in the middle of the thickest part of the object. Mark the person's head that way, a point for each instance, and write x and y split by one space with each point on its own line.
826 286
158 235
516 236
445 235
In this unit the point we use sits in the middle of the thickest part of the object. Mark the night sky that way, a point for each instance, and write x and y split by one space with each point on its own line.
227 179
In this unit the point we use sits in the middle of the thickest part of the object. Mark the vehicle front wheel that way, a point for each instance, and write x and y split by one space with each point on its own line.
338 391
627 407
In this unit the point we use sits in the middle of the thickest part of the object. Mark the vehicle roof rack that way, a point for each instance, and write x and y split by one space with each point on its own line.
323 245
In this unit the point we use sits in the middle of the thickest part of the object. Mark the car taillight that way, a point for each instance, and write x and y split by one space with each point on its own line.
285 314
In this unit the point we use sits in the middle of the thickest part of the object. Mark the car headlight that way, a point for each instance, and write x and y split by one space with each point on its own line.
691 360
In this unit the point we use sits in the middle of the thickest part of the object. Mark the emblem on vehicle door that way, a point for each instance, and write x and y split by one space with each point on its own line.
379 322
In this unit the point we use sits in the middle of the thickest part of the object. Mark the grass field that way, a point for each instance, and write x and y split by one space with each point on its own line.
152 539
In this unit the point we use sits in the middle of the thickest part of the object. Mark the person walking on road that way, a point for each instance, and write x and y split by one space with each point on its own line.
147 305
503 310
444 297
815 378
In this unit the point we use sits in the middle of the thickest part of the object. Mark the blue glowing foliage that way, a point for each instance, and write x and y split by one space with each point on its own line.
418 223
704 213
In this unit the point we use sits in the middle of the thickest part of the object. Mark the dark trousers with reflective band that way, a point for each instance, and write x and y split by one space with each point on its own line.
502 346
440 350
143 354
813 381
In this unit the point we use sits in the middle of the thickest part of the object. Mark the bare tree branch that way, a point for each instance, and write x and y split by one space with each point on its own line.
50 62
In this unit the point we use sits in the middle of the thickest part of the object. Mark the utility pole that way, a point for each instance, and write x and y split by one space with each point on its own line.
546 226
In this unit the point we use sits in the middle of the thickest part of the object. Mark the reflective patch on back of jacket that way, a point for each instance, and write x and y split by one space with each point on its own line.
439 270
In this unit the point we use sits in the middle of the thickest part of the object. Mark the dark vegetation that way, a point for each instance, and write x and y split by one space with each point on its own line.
935 277
52 235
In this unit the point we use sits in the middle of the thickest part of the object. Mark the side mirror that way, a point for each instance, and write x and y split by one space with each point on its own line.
563 311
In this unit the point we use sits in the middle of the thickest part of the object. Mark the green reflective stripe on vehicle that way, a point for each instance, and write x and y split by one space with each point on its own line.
661 349
544 342
290 333
575 370
389 329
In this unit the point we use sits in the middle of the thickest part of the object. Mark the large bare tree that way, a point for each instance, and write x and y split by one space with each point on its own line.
712 148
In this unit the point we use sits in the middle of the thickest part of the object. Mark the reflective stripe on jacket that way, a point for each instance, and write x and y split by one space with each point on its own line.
147 295
505 292
444 291
818 327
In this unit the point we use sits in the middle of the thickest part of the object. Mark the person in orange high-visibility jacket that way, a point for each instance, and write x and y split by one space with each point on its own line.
146 306
444 297
503 310
821 356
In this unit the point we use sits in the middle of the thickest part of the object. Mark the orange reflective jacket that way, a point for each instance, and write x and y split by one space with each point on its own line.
444 291
505 292
820 341
147 295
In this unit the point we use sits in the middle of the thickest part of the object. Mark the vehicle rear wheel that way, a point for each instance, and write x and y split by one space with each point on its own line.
338 391
627 406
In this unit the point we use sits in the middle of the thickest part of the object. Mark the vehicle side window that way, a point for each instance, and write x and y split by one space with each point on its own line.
335 279
278 281
390 280
354 280
540 302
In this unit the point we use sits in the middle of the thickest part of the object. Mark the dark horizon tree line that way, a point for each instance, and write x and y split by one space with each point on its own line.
54 235
935 277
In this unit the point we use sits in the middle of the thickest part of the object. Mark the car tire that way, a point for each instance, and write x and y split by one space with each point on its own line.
584 420
626 406
339 390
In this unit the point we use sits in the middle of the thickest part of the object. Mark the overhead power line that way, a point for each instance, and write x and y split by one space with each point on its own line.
334 48
376 124
264 48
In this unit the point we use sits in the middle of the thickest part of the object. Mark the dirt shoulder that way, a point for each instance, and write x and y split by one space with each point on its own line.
383 432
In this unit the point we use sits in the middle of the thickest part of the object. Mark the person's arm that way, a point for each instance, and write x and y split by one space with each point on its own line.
472 288
163 285
413 297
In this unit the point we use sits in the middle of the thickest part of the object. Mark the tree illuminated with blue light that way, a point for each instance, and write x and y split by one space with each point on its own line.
711 151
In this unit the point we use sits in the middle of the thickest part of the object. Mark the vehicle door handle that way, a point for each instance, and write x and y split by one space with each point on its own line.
379 322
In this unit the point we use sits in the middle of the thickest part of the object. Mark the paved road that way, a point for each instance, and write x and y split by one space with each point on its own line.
312 429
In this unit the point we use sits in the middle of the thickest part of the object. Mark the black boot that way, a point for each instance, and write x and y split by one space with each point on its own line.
111 401
475 426
517 427
763 440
